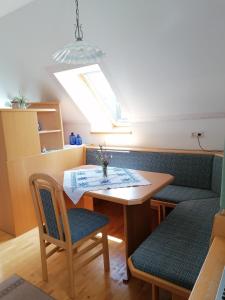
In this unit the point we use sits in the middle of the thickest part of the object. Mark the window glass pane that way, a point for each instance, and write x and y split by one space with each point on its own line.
92 93
104 93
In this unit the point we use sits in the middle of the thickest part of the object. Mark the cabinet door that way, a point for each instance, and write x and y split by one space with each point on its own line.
6 212
20 133
19 171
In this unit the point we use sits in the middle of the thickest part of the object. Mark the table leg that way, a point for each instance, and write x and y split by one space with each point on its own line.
137 227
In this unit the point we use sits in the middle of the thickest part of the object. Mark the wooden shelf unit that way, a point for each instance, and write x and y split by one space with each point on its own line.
20 156
50 120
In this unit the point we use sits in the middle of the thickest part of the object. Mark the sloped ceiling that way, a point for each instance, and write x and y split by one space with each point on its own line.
9 6
165 59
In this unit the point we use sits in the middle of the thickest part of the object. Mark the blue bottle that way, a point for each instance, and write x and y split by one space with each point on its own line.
78 140
73 139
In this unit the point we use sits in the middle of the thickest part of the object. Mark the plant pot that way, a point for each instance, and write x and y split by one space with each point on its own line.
23 105
15 105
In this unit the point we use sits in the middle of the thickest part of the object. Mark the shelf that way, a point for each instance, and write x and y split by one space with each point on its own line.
49 131
66 147
51 151
43 109
112 132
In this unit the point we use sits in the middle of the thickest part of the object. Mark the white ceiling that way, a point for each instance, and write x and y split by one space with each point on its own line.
9 6
165 62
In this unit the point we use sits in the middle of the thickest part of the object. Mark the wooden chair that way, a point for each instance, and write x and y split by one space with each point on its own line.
67 230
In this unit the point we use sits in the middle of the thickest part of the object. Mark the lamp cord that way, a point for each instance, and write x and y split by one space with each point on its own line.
78 29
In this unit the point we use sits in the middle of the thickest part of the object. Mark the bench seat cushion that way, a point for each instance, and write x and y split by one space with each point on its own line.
177 194
176 250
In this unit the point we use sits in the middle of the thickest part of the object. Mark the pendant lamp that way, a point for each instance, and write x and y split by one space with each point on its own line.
79 52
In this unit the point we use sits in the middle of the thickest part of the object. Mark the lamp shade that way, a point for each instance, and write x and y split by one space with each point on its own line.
79 52
222 195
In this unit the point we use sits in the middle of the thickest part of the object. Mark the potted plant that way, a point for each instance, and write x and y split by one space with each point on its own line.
19 102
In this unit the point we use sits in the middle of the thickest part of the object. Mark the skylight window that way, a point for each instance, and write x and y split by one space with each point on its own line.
92 93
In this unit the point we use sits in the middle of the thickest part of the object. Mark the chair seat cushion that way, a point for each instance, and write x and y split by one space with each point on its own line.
177 194
83 222
176 250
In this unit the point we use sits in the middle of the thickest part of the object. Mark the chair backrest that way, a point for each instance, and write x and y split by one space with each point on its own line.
50 207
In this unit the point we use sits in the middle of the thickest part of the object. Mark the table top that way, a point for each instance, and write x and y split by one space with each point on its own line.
130 195
208 280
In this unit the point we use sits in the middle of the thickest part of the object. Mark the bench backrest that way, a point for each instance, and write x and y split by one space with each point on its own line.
217 174
193 170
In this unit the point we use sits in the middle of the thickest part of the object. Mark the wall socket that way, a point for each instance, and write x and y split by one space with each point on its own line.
199 134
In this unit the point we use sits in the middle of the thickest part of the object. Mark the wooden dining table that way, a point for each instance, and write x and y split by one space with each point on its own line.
136 207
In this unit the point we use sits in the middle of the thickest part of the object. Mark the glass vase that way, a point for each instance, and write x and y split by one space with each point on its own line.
105 171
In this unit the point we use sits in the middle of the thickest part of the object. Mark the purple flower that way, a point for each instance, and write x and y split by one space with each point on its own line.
103 157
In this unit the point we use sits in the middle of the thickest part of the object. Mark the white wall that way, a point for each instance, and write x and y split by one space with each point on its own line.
162 134
165 61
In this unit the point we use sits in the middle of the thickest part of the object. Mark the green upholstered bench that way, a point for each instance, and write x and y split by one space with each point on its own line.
172 256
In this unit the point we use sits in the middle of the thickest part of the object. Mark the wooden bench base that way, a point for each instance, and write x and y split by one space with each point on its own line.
178 293
161 206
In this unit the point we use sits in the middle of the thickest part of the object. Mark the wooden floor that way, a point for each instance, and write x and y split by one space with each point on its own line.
22 256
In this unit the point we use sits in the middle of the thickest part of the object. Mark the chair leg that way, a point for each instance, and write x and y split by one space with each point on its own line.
43 260
155 292
105 252
69 255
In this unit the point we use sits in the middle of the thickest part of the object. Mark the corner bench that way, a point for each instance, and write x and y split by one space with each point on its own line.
172 256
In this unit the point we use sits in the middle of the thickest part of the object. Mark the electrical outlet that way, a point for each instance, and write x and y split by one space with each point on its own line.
199 134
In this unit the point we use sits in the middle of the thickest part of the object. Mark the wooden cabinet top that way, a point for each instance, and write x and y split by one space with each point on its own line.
28 110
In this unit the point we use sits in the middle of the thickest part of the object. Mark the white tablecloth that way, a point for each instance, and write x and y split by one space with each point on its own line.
77 182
